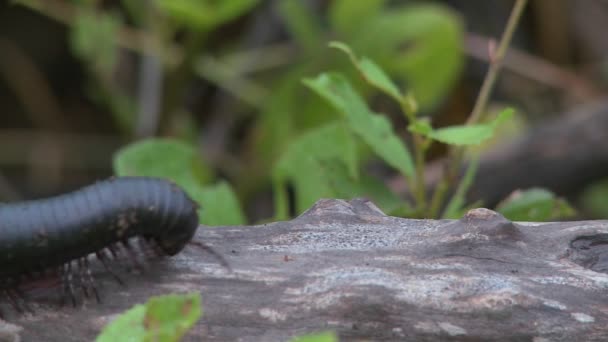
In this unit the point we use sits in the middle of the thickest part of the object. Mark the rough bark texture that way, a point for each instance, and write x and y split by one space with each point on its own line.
345 266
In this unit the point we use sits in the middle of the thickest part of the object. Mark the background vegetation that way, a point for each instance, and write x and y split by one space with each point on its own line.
244 103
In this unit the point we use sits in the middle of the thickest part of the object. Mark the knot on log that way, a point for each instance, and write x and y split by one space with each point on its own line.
362 207
489 224
591 252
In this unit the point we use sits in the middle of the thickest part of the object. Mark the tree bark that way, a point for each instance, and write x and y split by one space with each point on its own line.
347 267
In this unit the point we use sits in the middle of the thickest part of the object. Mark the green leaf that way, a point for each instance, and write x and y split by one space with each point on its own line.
93 39
169 317
299 164
371 72
205 15
220 205
374 129
161 319
166 158
328 336
421 45
421 126
346 15
303 25
535 204
593 199
470 134
126 327
136 9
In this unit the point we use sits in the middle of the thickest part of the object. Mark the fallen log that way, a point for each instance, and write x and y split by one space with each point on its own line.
347 267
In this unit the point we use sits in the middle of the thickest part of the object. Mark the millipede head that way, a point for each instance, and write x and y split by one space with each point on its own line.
173 240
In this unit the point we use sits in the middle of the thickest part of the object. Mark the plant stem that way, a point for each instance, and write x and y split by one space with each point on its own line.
496 62
409 107
437 198
420 188
456 155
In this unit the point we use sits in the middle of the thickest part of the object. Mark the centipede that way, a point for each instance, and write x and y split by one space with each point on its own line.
62 235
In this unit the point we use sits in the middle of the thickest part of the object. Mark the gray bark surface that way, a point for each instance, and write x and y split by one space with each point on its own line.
347 267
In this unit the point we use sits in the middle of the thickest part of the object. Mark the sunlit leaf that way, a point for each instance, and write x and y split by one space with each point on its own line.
126 327
204 15
371 72
470 134
319 337
161 319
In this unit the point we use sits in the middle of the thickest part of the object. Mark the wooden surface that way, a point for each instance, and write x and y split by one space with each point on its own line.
345 266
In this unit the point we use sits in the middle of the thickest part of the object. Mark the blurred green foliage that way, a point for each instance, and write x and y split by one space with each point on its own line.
534 205
162 319
593 199
319 337
180 162
409 42
314 142
204 15
94 40
374 129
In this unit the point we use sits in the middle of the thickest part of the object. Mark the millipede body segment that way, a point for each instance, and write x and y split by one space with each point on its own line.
57 233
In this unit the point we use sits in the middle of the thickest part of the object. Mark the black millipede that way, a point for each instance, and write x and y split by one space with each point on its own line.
58 235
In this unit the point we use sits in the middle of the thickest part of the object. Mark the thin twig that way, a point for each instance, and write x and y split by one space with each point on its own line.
535 68
150 85
496 63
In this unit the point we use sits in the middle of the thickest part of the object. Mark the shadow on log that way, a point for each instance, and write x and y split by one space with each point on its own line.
347 267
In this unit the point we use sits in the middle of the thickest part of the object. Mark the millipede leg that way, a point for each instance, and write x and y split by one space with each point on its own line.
156 248
13 299
21 295
102 259
211 251
83 282
146 247
132 255
90 279
113 251
68 286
